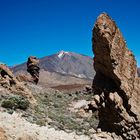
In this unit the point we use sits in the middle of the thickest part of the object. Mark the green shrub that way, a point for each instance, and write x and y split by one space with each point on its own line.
16 102
9 104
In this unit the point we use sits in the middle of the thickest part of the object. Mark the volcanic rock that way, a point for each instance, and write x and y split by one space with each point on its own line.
10 82
116 81
33 68
7 77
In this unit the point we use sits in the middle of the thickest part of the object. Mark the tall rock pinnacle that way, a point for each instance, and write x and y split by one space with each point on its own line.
33 68
115 81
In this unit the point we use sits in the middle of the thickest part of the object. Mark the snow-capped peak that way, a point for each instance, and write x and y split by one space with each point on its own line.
62 53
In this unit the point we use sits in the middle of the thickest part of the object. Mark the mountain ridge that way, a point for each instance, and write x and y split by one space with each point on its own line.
67 63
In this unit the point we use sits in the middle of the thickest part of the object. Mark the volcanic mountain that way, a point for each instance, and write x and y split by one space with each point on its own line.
63 68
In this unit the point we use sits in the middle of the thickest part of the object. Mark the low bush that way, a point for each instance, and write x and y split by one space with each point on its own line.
16 102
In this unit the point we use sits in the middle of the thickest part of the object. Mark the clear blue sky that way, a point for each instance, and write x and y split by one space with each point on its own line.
44 27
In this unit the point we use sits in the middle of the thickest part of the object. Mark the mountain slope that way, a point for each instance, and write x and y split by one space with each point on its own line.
66 63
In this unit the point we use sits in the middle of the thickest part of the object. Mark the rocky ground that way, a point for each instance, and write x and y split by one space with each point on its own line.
16 128
57 116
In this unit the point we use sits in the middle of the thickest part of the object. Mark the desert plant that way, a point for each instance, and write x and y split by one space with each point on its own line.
16 102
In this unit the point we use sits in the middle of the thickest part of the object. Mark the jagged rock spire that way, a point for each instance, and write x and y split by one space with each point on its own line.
115 79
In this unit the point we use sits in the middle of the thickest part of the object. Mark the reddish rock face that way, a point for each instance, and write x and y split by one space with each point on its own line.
112 57
115 81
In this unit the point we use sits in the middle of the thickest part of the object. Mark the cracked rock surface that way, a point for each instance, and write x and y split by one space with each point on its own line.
116 83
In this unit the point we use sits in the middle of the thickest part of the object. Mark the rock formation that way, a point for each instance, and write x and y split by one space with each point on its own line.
115 84
7 79
33 68
10 82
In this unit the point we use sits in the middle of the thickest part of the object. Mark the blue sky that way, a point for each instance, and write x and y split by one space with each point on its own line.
44 27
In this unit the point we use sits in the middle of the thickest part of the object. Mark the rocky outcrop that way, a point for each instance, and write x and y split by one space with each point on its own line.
115 84
7 78
10 82
33 68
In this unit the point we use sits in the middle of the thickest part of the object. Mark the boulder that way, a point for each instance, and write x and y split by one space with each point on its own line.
33 68
116 80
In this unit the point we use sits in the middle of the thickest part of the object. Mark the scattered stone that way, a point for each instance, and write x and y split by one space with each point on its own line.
92 131
97 99
80 104
93 105
99 130
88 89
